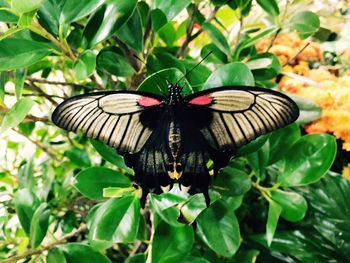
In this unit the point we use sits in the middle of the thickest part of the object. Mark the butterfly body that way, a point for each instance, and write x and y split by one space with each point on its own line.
171 139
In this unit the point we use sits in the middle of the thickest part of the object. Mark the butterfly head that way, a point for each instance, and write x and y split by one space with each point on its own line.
175 96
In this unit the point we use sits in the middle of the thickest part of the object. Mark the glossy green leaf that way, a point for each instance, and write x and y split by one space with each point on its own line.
131 32
17 113
253 146
165 206
225 240
306 23
137 258
232 181
163 60
81 253
264 66
309 110
168 34
25 6
294 205
170 243
3 80
157 82
192 208
259 160
272 220
107 20
198 76
19 53
49 15
110 155
171 8
55 255
217 56
27 127
78 156
270 7
158 19
26 202
233 74
74 10
91 181
7 16
85 65
26 176
39 225
217 37
26 19
281 140
19 82
113 61
116 220
308 160
244 6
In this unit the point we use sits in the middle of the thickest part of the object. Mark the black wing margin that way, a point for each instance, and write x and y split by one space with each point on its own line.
113 117
238 115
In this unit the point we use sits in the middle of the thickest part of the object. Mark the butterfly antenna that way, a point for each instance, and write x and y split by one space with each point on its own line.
187 73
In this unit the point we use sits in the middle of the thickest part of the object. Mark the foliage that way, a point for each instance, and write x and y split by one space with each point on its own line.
74 197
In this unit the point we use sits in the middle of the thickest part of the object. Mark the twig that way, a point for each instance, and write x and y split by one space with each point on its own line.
31 85
297 54
190 37
39 144
273 40
50 82
33 252
34 95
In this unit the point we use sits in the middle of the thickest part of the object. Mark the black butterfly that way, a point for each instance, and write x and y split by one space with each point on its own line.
171 139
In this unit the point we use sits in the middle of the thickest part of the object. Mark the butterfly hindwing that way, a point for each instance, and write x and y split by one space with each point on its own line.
238 115
117 118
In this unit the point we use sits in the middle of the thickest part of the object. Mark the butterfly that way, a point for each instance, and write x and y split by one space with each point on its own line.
169 139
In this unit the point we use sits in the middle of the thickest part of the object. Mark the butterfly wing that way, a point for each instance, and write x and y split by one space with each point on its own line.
120 119
230 117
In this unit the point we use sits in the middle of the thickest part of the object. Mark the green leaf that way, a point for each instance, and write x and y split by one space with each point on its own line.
272 220
168 34
74 10
198 76
107 20
116 220
55 255
80 253
85 65
27 127
25 6
8 17
264 66
306 23
131 32
158 19
217 37
164 206
170 243
259 160
171 8
26 202
294 205
270 7
157 82
217 56
78 156
308 160
309 110
20 53
232 181
19 82
253 146
110 155
192 208
49 15
281 140
233 74
113 61
17 113
163 60
225 240
91 181
3 80
137 258
39 225
26 176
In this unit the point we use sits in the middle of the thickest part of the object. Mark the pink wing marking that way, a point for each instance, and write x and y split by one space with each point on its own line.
201 100
148 102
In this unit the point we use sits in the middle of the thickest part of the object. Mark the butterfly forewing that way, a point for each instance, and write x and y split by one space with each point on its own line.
239 115
113 117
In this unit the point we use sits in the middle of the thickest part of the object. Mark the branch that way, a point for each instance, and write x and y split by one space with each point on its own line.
297 54
32 252
29 117
34 95
41 92
189 36
45 81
